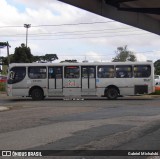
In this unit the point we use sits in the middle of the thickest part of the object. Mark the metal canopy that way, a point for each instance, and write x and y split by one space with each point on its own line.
145 8
144 14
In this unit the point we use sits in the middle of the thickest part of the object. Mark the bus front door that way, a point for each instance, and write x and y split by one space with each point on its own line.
55 82
88 79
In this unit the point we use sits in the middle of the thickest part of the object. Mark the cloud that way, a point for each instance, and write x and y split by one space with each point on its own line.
141 57
96 57
52 12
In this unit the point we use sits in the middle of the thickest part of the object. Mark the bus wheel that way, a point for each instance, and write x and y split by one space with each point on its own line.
112 93
37 94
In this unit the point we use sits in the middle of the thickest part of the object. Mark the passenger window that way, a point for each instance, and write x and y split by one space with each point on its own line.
72 72
105 71
37 72
141 71
123 71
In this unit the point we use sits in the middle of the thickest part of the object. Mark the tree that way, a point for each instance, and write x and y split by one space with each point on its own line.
3 60
45 58
123 54
69 61
157 67
22 54
6 44
50 57
3 44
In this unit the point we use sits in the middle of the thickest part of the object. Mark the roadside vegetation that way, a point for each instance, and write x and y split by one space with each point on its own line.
157 92
2 86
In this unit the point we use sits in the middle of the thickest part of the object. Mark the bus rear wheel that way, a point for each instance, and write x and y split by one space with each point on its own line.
112 93
37 94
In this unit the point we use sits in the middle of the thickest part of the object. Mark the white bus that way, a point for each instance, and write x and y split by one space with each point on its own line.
39 80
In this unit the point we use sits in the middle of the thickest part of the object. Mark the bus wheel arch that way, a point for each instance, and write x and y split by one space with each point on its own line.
111 92
36 93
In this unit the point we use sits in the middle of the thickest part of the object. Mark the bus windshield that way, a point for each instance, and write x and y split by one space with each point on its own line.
17 74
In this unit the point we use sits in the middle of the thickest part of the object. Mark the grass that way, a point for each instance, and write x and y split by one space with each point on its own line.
2 87
157 92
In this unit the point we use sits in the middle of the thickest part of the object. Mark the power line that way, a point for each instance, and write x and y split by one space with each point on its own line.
90 37
85 23
14 26
71 33
87 37
52 25
79 31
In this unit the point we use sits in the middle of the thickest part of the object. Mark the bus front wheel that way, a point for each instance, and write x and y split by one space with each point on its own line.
112 93
37 94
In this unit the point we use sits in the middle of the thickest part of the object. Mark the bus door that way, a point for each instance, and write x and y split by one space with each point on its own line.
55 81
88 80
72 81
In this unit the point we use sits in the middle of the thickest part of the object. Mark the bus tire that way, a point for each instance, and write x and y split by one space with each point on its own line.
37 94
112 93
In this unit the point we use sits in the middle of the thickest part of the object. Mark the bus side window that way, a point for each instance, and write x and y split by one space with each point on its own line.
123 71
37 72
142 71
105 71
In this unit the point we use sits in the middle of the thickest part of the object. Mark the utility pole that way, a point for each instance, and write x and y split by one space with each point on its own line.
8 53
27 26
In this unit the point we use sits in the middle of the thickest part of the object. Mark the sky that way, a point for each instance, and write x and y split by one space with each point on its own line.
70 32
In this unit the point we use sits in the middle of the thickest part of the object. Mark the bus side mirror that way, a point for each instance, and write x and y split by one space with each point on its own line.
12 75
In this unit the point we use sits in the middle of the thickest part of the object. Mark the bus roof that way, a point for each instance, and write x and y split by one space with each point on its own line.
79 64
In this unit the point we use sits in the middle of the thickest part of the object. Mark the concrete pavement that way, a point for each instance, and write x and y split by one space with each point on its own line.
3 108
3 96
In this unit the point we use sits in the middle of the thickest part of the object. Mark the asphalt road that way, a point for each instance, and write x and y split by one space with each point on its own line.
131 123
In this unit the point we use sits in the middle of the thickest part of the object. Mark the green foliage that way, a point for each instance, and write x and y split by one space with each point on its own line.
22 55
157 92
4 69
2 86
69 61
45 58
157 67
3 44
4 60
123 54
51 57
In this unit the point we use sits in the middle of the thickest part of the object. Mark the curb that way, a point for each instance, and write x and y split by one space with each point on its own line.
2 108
